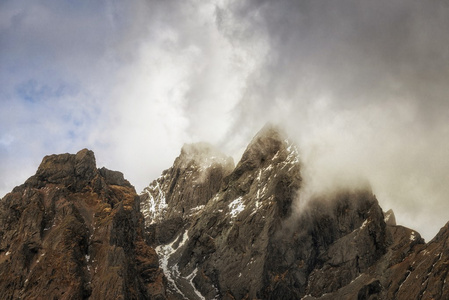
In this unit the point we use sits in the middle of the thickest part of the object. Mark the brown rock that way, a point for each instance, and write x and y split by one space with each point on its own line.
75 232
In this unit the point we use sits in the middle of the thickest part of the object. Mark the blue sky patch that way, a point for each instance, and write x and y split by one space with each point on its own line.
33 91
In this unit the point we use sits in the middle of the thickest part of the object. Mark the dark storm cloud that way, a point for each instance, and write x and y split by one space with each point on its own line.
359 52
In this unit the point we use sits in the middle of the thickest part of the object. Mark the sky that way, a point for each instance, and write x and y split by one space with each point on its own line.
361 87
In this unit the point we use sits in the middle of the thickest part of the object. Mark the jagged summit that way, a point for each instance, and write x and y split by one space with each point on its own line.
269 140
200 171
270 143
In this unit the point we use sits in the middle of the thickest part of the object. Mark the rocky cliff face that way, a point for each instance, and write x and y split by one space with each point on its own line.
184 189
73 231
233 233
216 230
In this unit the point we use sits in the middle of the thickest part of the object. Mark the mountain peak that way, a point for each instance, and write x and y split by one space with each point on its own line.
204 155
269 143
268 139
73 231
270 130
219 232
74 170
196 175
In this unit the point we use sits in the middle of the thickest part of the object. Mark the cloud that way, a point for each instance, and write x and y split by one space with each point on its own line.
50 81
361 86
181 86
133 82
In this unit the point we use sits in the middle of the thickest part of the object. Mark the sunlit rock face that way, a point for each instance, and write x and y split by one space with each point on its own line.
73 231
225 232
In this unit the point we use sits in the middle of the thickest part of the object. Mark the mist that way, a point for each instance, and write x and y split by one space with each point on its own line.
360 86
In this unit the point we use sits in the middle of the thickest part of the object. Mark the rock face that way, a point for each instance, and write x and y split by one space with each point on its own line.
207 229
73 231
239 233
184 189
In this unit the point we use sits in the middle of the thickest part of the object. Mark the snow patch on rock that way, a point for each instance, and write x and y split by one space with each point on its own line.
165 252
236 207
155 206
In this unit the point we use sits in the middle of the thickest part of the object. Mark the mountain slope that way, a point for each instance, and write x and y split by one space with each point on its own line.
243 238
73 231
207 229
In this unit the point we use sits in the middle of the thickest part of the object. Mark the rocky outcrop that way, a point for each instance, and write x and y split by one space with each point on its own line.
73 231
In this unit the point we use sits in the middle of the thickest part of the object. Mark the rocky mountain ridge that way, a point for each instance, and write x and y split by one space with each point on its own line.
208 229
246 239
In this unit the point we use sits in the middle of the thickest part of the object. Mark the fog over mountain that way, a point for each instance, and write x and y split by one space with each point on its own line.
360 86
